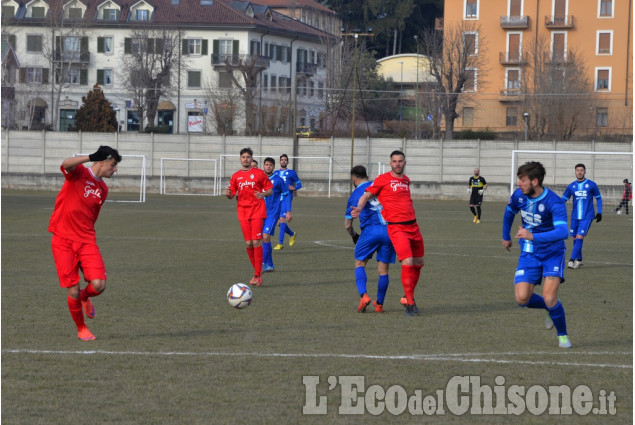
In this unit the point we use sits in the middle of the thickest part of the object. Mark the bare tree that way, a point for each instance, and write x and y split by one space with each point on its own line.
226 108
456 61
151 62
556 91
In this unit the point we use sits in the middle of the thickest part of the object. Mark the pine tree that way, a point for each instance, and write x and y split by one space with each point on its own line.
96 113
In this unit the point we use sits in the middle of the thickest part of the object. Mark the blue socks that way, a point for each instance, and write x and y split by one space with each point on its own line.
284 228
558 318
576 254
267 259
536 301
360 279
382 287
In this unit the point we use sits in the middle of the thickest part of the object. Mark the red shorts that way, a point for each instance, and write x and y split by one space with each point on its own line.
252 228
72 256
406 239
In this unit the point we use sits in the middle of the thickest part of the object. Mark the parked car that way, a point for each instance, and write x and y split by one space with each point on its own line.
304 131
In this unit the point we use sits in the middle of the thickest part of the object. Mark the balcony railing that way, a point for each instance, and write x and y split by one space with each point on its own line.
240 60
506 59
306 68
510 95
514 21
553 22
71 57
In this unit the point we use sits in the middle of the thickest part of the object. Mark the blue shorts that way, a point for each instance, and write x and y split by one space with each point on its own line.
270 225
285 205
375 239
580 227
531 269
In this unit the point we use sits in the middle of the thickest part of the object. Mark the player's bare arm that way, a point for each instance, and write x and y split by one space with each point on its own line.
361 204
228 193
524 234
507 245
264 194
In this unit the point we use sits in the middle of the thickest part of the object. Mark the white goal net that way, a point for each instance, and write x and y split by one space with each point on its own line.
189 176
128 184
606 169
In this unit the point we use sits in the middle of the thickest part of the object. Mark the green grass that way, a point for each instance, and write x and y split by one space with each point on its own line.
170 350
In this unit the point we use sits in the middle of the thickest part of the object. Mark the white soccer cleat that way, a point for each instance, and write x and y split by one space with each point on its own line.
619 212
563 341
577 264
570 264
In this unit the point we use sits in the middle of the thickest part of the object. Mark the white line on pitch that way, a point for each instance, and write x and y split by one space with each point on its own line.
442 357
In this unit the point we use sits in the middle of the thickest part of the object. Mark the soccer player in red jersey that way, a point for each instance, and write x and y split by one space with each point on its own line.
72 223
252 186
392 189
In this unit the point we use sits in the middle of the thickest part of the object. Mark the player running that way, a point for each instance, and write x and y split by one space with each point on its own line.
542 249
273 203
292 183
374 239
251 185
392 189
583 191
72 224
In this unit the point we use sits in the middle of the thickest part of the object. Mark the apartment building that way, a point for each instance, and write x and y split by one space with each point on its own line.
509 33
243 67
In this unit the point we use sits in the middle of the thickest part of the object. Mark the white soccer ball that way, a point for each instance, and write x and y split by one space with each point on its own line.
239 295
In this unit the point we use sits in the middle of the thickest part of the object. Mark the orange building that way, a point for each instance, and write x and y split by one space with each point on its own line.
597 33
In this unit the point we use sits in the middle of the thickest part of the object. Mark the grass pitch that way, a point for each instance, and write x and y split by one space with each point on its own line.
170 350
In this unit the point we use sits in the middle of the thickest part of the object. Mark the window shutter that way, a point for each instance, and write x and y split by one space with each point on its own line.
100 44
45 75
127 46
12 40
83 45
83 77
150 47
235 47
604 44
204 48
215 47
100 77
22 75
158 45
184 46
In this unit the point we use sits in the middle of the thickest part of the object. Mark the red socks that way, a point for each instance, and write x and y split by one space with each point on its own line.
75 307
88 292
255 256
409 279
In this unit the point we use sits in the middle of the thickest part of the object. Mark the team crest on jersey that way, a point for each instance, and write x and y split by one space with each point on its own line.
541 208
251 176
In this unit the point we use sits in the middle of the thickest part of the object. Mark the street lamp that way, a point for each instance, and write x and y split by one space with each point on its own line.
526 117
401 93
417 92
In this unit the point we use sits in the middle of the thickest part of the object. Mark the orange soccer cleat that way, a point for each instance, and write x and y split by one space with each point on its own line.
364 301
84 334
379 308
89 309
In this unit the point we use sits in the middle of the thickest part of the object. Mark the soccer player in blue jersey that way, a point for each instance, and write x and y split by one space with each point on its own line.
583 191
541 237
292 183
273 203
374 239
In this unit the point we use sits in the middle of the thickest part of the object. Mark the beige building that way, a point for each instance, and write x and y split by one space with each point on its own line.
598 33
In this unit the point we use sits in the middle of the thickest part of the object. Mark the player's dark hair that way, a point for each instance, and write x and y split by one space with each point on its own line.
397 153
580 165
253 160
284 155
532 170
269 159
359 171
246 150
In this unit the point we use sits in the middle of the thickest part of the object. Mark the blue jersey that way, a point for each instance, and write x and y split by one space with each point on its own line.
583 193
289 177
371 214
273 202
545 217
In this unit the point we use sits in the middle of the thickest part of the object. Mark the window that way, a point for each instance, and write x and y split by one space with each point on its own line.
515 7
72 48
511 116
514 47
470 80
37 12
133 121
225 48
321 90
137 45
559 46
266 50
470 43
605 8
34 75
104 77
602 117
8 12
72 77
265 82
311 88
513 81
33 43
193 79
604 42
254 48
282 83
602 79
75 13
142 15
194 46
274 83
111 14
471 9
467 117
225 80
104 45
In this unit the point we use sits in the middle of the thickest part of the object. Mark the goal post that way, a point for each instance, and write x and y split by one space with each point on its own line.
130 175
189 176
606 169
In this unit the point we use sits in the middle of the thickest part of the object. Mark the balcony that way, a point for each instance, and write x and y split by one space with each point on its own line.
225 60
561 22
558 59
514 22
306 68
510 95
505 58
82 58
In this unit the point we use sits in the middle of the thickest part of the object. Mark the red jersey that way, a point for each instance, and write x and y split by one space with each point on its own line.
78 204
394 194
245 184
